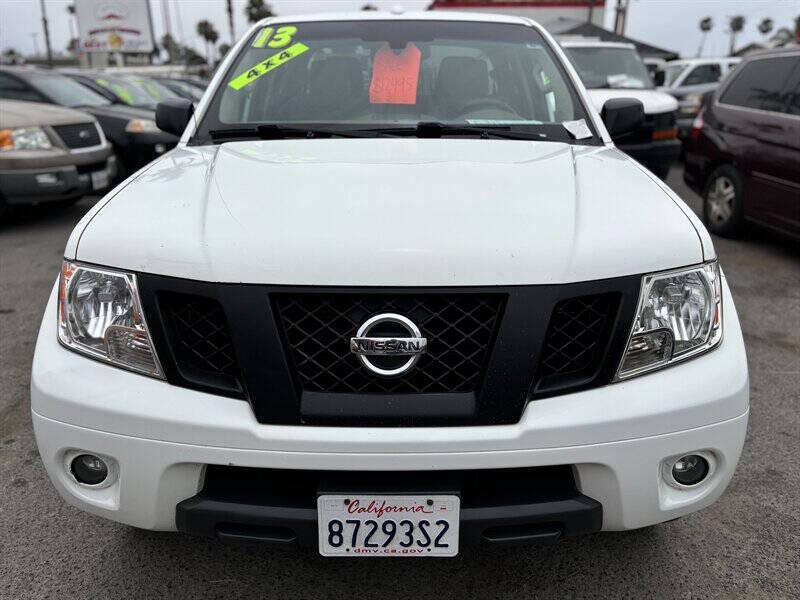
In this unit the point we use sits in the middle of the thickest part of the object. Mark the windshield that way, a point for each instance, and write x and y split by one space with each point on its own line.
65 91
395 73
672 72
188 90
601 67
135 91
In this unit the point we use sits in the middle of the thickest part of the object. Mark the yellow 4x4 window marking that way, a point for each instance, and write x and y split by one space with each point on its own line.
282 37
267 65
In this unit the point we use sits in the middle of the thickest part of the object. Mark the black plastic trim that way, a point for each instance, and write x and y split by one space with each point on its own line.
499 506
508 382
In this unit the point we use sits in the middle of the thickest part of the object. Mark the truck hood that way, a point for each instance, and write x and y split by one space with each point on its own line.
654 101
391 212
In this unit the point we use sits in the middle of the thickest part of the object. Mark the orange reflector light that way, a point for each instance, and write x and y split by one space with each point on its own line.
665 134
6 139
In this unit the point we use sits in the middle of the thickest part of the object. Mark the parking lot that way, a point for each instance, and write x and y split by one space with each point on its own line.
745 546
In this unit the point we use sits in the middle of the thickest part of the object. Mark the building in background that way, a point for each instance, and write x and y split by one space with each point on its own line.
563 28
542 11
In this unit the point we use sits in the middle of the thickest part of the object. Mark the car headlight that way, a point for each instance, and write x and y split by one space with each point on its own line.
679 315
690 105
100 315
24 138
141 126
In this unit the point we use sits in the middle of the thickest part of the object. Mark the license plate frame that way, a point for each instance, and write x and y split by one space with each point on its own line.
409 512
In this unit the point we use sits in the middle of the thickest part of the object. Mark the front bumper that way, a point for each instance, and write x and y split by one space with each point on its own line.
615 438
54 183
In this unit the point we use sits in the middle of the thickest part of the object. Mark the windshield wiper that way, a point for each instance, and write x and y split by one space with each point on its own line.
435 129
278 132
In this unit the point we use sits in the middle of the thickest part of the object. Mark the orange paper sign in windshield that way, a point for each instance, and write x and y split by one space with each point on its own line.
395 76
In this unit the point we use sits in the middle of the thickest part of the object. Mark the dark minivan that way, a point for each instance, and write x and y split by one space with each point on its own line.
743 153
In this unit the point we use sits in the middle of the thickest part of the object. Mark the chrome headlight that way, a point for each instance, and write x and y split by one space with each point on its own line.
24 138
679 315
100 315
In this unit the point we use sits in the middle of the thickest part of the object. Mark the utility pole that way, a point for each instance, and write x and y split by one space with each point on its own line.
619 21
591 10
46 36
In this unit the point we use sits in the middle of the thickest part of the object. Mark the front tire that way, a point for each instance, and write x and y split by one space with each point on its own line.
723 209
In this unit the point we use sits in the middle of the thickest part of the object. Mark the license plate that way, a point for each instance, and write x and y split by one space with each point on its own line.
378 525
99 180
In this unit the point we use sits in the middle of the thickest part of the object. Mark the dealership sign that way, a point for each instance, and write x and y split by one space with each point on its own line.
114 25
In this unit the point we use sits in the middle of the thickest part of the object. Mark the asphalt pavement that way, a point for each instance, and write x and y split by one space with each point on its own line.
747 545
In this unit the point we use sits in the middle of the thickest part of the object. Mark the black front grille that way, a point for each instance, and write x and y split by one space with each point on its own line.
285 349
201 341
460 329
577 336
80 135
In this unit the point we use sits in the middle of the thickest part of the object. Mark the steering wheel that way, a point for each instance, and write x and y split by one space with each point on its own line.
487 102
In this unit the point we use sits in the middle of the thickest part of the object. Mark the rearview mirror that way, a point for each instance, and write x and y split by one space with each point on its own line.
622 115
173 115
658 78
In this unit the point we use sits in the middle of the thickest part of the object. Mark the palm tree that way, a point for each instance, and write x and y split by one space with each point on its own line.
223 50
71 11
765 26
229 9
706 25
257 10
206 30
735 25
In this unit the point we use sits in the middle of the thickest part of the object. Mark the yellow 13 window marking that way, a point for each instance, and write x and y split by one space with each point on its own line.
282 37
267 65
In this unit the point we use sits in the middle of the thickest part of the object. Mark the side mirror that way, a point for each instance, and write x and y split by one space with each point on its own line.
173 115
659 78
622 115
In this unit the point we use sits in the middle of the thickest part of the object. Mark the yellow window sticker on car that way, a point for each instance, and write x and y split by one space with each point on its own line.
282 37
267 65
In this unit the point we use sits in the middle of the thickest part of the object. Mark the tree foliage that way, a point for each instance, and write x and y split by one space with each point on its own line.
255 10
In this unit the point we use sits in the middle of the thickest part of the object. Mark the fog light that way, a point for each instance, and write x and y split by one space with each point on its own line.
89 469
690 469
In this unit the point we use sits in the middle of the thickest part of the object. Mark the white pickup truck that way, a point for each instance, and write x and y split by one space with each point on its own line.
395 293
615 70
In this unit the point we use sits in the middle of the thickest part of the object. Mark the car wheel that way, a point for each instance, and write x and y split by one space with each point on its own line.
722 202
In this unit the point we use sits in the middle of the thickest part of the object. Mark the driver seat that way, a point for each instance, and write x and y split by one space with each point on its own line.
461 79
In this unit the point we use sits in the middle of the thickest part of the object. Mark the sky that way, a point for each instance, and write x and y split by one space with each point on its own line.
671 24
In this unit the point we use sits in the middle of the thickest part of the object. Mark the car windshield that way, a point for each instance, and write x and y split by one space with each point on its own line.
609 67
386 74
672 72
65 91
188 90
156 90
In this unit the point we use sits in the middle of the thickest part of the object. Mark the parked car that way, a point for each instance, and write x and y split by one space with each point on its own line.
655 67
743 153
132 131
615 70
50 155
395 293
184 89
689 79
128 89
